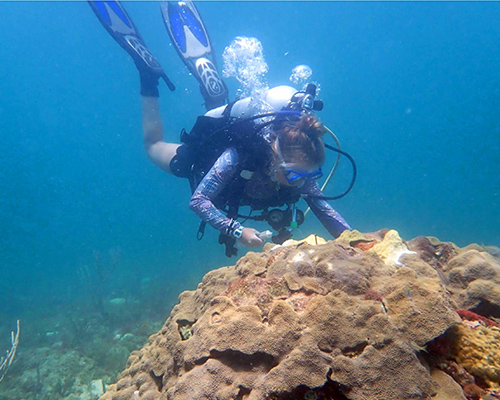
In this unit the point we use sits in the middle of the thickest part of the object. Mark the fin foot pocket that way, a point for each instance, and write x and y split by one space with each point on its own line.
212 86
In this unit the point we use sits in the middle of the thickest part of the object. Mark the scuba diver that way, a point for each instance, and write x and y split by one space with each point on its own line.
232 157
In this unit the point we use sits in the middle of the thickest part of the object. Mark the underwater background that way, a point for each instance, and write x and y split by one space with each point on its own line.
412 90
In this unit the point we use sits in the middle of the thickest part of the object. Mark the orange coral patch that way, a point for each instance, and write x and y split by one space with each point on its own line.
363 244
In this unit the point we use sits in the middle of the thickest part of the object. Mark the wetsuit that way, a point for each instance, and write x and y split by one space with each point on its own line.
224 182
224 172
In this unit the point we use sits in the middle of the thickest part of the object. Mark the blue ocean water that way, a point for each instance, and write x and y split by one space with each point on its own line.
411 89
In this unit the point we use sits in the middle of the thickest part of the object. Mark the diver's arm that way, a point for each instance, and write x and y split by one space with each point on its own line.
158 151
330 218
220 175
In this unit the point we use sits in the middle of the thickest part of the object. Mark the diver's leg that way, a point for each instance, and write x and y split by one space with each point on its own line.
190 38
115 19
158 151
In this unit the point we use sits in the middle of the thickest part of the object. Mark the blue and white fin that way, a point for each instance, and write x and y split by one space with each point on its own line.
190 38
117 22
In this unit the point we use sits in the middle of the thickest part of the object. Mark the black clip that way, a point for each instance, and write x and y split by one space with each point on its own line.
201 230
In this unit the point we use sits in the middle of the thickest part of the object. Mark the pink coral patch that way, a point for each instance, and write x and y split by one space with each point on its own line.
472 316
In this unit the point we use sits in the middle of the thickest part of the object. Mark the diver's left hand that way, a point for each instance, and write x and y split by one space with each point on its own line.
249 238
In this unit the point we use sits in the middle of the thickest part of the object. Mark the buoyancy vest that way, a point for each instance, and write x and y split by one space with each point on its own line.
206 142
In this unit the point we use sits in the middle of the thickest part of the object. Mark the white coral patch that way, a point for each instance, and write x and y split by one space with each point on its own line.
396 255
298 257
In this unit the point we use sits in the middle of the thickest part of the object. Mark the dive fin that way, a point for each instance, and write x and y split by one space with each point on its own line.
115 19
190 39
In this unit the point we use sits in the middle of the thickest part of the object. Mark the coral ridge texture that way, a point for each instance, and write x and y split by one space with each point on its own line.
353 314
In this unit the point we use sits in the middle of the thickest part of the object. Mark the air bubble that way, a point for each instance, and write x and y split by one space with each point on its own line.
301 74
244 60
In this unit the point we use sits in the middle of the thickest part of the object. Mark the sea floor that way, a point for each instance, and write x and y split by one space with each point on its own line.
76 351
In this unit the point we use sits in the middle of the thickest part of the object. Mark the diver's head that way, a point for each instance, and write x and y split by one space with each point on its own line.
298 150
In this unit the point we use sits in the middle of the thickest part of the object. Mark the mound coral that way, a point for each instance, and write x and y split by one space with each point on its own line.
345 319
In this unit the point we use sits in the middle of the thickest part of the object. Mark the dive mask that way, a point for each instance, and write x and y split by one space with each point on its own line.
297 178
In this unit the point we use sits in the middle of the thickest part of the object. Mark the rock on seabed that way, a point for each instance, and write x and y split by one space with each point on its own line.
351 318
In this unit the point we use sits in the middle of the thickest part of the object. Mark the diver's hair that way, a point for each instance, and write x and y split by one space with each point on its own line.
301 141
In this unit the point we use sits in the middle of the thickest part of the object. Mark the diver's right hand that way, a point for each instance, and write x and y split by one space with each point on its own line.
249 238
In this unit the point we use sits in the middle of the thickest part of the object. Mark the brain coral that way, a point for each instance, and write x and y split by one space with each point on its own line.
346 319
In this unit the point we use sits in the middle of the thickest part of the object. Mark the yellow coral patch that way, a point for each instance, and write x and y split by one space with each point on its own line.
391 248
311 239
478 351
352 236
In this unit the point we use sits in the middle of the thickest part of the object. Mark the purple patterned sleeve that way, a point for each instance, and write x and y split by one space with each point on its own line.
330 218
219 176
